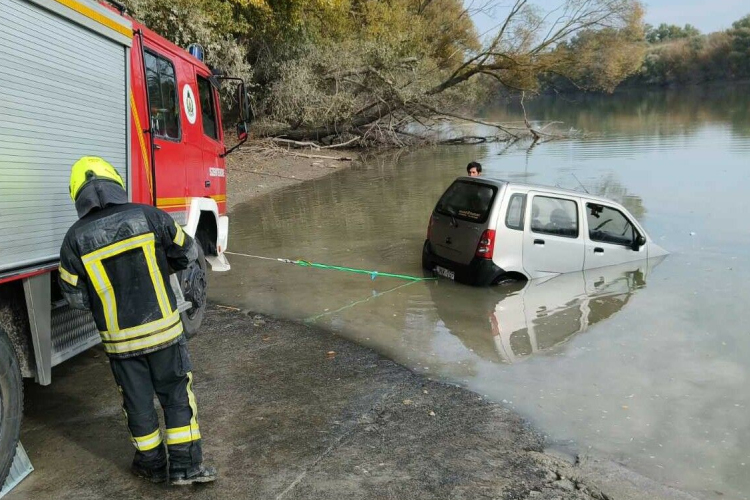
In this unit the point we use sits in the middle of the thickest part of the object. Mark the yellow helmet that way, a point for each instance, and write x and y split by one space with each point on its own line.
89 168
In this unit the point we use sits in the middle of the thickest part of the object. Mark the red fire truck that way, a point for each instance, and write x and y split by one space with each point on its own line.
82 79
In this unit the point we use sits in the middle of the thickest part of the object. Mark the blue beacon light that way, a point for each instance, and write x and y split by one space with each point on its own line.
196 50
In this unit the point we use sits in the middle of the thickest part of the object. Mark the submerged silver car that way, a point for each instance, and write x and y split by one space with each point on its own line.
484 231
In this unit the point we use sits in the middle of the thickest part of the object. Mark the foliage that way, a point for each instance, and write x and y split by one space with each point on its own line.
720 56
739 55
666 32
602 59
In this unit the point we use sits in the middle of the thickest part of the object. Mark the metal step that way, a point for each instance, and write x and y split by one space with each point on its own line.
73 331
20 468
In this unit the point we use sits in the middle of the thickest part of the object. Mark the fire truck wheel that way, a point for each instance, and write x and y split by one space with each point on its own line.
11 404
194 281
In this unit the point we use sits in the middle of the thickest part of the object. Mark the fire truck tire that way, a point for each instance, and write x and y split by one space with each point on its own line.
11 404
194 281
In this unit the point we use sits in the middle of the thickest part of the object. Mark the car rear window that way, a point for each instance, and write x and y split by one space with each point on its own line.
469 201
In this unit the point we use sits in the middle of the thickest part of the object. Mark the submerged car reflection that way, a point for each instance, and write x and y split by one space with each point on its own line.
510 323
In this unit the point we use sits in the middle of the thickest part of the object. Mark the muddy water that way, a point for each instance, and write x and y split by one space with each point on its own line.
647 363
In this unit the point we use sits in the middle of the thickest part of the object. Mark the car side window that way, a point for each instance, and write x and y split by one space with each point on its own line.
208 110
554 216
162 96
609 225
516 209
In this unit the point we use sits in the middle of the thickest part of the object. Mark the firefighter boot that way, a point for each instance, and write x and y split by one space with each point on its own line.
152 475
200 474
150 465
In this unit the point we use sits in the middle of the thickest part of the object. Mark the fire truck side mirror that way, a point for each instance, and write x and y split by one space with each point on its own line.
243 102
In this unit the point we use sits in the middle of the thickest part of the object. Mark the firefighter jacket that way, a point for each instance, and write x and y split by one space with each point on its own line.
115 261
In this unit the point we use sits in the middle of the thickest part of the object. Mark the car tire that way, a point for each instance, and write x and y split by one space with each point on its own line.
426 261
194 283
11 405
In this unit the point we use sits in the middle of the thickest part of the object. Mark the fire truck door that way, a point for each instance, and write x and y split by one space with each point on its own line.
164 105
212 175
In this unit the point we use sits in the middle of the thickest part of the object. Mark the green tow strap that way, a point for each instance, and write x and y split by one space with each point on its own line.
304 263
372 274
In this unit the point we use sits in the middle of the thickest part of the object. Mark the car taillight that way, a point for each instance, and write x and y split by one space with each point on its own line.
429 228
486 246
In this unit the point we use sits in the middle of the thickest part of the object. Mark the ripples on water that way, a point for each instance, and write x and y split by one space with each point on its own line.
644 363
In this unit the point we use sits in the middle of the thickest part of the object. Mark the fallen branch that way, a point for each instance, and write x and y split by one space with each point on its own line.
296 144
321 157
282 151
526 120
498 126
341 144
466 139
312 145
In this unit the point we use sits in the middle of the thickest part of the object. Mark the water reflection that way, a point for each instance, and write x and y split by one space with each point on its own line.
510 323
639 113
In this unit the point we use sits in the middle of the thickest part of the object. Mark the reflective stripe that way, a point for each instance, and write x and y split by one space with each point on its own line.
141 330
96 16
149 442
145 342
179 238
191 401
105 292
180 435
118 248
142 142
171 202
69 278
103 287
149 251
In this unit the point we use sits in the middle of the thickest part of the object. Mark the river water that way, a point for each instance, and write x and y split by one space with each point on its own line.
647 364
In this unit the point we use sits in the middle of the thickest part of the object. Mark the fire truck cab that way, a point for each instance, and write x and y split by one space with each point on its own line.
81 78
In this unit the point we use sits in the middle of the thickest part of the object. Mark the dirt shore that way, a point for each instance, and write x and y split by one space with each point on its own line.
255 169
289 411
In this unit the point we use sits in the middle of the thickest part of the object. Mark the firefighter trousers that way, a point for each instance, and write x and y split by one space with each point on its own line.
168 374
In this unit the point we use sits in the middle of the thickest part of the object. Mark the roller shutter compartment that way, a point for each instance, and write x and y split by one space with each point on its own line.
63 95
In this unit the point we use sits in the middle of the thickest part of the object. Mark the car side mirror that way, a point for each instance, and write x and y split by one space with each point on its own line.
243 102
242 131
640 240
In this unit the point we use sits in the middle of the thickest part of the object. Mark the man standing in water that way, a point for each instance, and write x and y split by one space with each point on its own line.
474 169
115 261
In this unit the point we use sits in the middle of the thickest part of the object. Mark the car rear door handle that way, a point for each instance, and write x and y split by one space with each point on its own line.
598 250
539 242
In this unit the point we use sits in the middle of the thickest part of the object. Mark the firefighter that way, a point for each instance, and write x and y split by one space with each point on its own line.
115 261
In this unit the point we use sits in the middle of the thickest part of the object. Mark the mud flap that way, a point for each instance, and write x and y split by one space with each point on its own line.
218 262
20 468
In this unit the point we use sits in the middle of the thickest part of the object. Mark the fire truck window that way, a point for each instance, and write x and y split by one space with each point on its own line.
208 111
162 95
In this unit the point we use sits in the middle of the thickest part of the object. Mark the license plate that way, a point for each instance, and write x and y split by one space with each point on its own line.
445 273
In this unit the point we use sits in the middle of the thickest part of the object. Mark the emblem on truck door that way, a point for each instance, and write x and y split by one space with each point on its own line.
188 103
